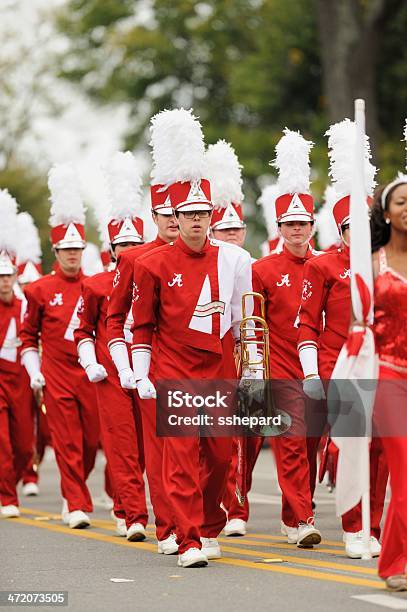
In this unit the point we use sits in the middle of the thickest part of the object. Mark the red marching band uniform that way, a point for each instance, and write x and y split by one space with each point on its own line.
52 316
119 414
16 432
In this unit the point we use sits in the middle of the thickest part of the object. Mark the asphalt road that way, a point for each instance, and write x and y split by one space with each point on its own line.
257 572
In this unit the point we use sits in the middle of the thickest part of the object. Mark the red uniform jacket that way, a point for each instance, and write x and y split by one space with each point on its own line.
92 316
278 277
52 314
192 300
326 294
121 295
10 344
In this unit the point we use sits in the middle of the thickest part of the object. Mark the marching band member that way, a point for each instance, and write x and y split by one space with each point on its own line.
278 277
52 316
190 292
16 430
118 413
326 295
29 270
327 232
389 241
118 323
225 176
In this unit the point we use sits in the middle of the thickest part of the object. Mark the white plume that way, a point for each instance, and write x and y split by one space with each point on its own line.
178 147
325 222
28 240
292 162
66 199
224 174
341 142
123 183
8 222
267 201
91 261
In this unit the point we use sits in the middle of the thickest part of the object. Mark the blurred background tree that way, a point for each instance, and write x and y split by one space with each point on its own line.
247 67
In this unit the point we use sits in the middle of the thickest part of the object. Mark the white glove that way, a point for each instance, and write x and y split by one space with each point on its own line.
254 374
146 389
37 381
31 361
96 372
127 379
314 388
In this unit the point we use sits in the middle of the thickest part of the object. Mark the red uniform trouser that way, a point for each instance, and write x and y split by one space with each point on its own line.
74 425
154 448
290 451
230 501
42 439
194 475
390 407
16 434
121 438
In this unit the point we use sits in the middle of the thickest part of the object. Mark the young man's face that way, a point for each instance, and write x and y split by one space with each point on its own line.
234 235
167 226
296 233
194 225
69 260
6 285
122 246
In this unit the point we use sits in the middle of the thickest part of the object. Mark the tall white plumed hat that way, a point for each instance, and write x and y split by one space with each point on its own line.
225 176
28 249
67 218
123 182
8 233
179 166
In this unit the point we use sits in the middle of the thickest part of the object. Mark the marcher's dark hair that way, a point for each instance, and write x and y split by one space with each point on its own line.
380 230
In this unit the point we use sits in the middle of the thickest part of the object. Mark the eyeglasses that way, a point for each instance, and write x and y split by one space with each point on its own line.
191 214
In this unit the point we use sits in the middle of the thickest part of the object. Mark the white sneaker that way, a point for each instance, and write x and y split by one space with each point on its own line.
193 557
30 489
136 533
308 535
168 546
78 520
354 545
211 548
290 532
10 511
65 512
235 527
121 528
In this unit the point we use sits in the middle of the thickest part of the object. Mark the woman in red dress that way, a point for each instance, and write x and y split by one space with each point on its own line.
389 241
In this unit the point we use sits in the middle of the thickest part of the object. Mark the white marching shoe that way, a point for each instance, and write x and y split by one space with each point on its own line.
121 528
193 557
168 546
308 535
10 511
211 548
235 527
290 532
65 512
30 489
136 533
354 545
78 520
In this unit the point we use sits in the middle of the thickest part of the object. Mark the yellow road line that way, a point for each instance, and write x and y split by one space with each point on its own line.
83 533
247 542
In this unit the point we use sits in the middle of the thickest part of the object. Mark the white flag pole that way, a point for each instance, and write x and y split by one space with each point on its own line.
358 195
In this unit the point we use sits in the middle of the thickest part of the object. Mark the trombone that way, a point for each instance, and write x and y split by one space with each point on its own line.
255 356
